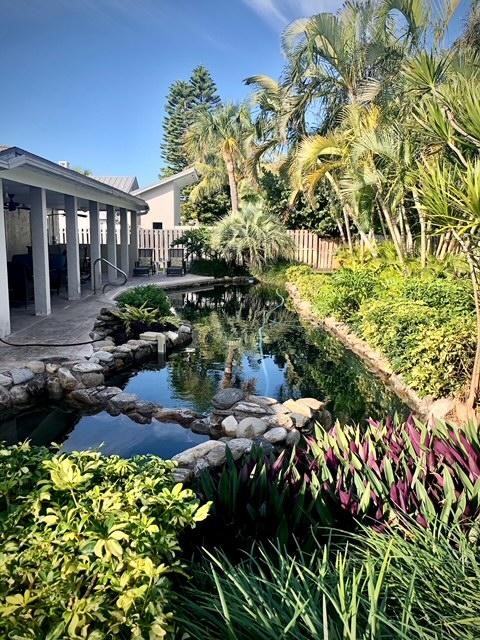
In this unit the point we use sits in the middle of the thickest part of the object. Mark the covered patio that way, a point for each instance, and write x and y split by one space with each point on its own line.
34 190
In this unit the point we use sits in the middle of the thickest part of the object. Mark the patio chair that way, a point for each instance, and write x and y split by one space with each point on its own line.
145 265
176 262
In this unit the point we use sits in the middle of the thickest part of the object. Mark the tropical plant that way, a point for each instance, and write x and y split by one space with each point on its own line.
252 237
89 544
149 295
217 142
196 242
402 584
144 316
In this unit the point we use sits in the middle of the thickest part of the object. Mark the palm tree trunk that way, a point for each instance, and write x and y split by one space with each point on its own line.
232 181
348 212
348 231
394 233
423 229
475 378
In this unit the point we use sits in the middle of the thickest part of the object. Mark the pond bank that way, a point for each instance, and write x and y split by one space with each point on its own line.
423 407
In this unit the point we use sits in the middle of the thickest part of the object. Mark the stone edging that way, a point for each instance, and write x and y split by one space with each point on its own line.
375 362
239 421
82 381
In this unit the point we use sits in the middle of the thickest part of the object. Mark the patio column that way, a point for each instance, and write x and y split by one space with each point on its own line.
41 272
133 240
96 271
4 299
124 240
111 243
73 250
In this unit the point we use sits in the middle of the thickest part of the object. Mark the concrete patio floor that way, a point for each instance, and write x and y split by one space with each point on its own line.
71 322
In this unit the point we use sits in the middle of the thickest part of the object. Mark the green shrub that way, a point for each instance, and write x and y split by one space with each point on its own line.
443 358
411 318
88 544
196 242
216 267
407 584
149 296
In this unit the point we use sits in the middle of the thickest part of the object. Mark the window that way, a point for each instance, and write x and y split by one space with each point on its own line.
157 225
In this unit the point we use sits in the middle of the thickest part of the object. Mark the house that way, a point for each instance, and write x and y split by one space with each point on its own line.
163 199
32 189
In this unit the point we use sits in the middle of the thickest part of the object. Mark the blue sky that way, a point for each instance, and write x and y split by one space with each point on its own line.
86 80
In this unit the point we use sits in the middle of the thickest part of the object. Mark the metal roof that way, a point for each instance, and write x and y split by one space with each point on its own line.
124 183
184 178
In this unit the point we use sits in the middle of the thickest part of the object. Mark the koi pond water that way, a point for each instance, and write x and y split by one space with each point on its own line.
271 351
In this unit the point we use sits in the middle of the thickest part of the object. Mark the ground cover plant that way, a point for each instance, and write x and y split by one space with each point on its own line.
404 584
88 544
423 321
148 296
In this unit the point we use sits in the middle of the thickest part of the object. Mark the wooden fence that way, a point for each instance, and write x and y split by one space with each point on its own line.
310 249
318 253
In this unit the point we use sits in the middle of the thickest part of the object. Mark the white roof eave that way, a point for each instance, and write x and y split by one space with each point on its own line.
35 163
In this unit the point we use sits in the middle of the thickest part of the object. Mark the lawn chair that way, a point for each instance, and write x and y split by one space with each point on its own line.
145 265
176 262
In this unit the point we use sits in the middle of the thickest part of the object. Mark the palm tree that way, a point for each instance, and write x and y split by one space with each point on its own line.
221 134
253 237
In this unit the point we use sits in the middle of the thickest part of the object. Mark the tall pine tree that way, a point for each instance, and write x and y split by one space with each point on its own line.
183 102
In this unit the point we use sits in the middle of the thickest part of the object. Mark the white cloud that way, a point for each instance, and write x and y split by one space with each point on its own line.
278 13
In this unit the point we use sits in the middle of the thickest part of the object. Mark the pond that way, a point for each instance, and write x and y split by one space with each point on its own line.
270 352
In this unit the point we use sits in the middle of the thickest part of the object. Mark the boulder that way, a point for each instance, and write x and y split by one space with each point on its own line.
251 428
279 420
21 376
278 409
124 401
5 399
102 357
226 398
5 380
263 400
278 434
182 416
312 403
201 426
84 396
296 406
251 408
19 395
54 388
300 421
239 446
36 366
293 438
217 456
229 426
190 456
67 380
182 475
90 374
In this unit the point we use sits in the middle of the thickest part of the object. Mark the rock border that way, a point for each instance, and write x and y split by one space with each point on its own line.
425 408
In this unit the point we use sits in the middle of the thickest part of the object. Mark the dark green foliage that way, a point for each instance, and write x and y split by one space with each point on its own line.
276 192
208 208
410 584
204 90
184 101
216 267
177 120
196 242
150 296
88 544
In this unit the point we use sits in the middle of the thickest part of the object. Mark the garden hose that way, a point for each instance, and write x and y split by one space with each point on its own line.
50 344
